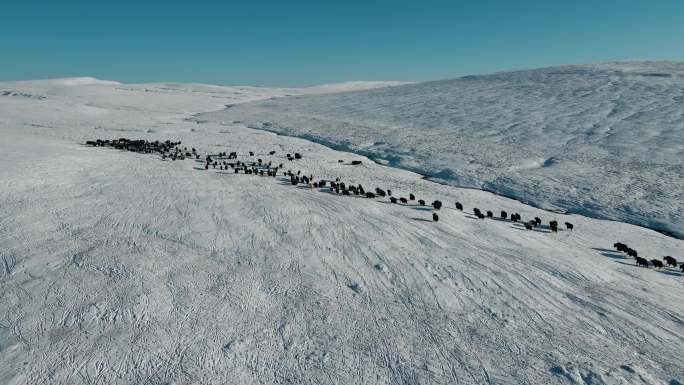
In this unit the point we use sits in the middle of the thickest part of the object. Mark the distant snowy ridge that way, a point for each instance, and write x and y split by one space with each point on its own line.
605 140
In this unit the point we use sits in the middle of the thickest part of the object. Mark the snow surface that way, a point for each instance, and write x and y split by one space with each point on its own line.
120 268
604 140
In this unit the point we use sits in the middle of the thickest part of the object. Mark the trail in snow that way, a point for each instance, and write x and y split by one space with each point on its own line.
127 269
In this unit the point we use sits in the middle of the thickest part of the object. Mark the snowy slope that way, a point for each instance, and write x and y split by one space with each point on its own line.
604 140
120 268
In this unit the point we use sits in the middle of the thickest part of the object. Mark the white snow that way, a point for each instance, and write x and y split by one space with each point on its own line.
120 268
604 140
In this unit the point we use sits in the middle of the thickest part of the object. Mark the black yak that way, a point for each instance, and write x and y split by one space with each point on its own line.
528 226
356 162
298 155
657 263
421 202
481 216
620 246
569 226
504 215
459 206
393 199
403 200
380 192
476 211
490 214
670 261
642 262
538 220
554 226
435 217
412 197
251 153
271 153
632 253
370 195
437 205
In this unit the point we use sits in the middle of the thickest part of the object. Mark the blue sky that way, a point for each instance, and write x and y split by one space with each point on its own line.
309 42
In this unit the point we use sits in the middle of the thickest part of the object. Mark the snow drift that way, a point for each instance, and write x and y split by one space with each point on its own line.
604 140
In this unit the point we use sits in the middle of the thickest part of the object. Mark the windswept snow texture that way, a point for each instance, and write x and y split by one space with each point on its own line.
603 140
121 268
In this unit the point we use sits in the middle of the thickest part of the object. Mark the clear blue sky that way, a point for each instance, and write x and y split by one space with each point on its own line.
307 42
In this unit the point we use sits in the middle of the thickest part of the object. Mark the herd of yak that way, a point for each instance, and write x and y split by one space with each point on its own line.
224 161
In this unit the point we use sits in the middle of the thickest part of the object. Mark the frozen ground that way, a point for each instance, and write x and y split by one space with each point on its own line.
120 268
603 140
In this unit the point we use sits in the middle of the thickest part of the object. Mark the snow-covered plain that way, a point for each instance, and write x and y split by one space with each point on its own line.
120 268
604 140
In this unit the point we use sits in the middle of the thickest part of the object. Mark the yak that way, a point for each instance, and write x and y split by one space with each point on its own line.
437 205
569 226
504 214
435 217
657 263
459 206
670 261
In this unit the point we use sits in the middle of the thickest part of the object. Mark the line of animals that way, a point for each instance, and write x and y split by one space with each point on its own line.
640 261
171 150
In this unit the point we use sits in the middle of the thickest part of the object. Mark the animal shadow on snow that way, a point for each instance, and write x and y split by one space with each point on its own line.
421 219
610 253
538 229
664 270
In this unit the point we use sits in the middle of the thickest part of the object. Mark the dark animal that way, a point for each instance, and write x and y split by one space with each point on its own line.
656 263
459 206
641 262
528 226
271 153
370 195
476 211
553 225
380 192
481 216
569 226
538 220
298 155
490 214
412 197
389 192
504 215
620 246
421 202
356 162
670 261
340 161
437 205
632 253
403 200
251 153
393 199
435 217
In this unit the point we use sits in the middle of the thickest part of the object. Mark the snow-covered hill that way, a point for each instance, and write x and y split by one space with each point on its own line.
605 140
121 268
